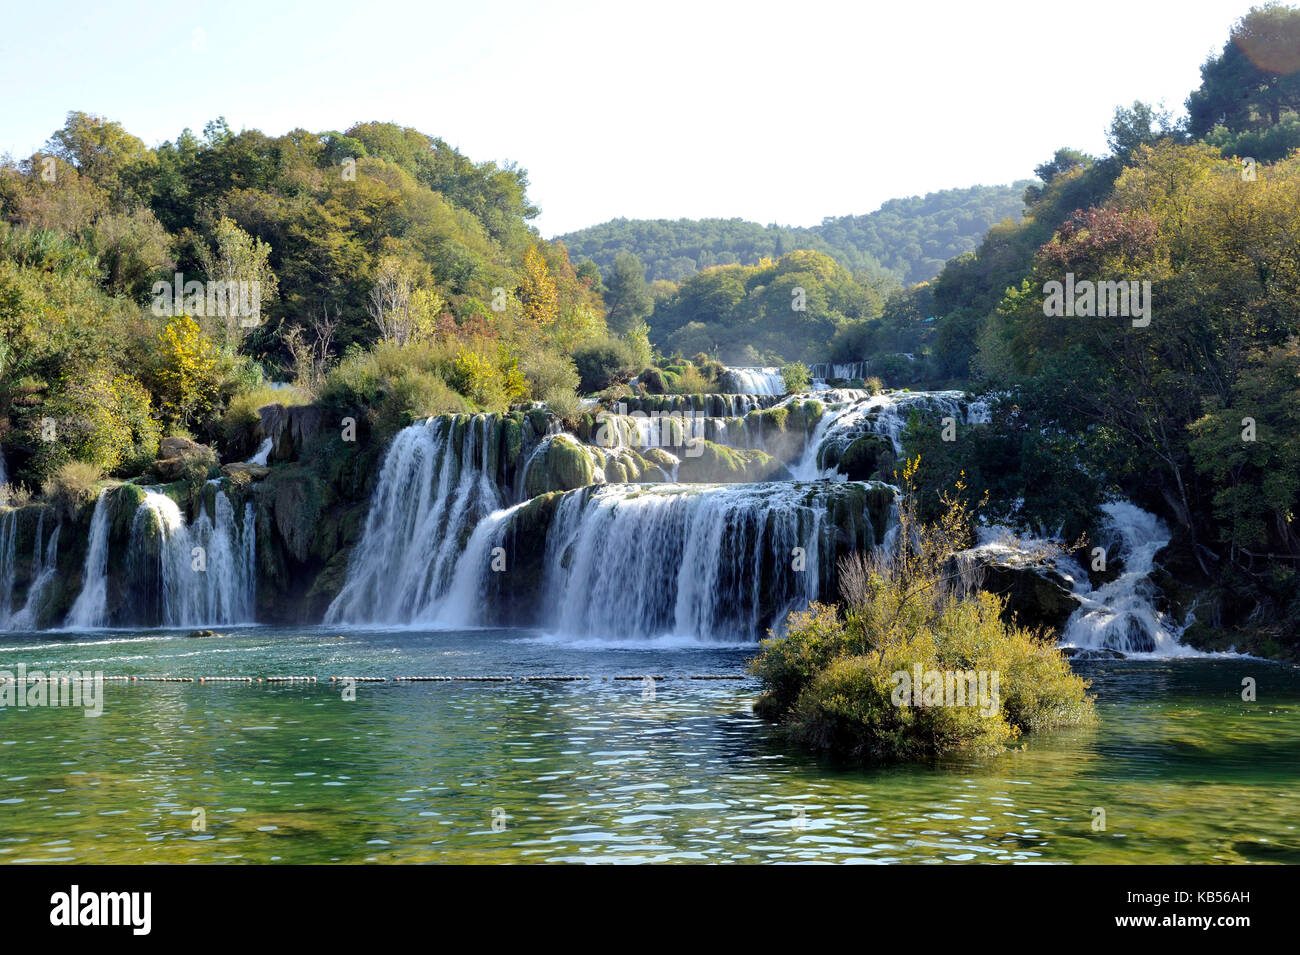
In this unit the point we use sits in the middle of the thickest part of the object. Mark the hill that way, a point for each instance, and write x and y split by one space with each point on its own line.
910 238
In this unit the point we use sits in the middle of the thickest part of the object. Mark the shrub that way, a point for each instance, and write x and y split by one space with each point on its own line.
796 376
14 495
833 681
690 381
605 363
564 404
71 487
547 371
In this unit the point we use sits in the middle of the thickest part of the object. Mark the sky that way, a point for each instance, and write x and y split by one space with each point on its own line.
782 113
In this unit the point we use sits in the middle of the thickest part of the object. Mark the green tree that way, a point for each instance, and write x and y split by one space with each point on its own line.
627 297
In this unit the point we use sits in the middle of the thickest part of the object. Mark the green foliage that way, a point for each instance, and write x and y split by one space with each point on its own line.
547 372
71 487
796 377
1255 81
627 297
605 363
393 385
832 682
773 311
908 238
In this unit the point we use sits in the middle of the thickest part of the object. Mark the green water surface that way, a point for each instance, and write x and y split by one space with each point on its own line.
1185 770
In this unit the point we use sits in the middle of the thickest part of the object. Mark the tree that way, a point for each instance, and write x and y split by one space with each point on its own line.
187 376
403 311
1256 79
626 294
242 263
101 149
537 291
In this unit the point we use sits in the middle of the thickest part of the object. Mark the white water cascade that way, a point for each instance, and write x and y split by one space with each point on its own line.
89 610
45 556
203 573
8 564
677 561
430 494
263 453
755 381
886 414
1121 615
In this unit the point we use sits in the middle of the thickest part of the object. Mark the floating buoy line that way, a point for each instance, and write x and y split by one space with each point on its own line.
531 678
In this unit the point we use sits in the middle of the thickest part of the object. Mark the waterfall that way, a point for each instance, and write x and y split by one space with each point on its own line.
1121 615
195 575
90 608
45 556
716 562
8 564
710 405
431 492
4 473
886 414
755 381
263 452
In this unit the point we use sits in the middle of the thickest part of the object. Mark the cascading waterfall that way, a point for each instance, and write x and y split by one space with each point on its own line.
193 575
431 492
45 557
90 608
714 562
8 564
755 381
885 414
1121 615
263 453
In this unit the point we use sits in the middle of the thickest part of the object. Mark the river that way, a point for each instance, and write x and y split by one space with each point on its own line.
601 770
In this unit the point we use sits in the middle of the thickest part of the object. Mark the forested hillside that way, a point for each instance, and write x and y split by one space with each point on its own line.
910 239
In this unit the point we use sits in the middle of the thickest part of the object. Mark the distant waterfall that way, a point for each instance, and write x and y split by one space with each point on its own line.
755 381
45 556
178 585
432 491
884 414
90 608
1121 615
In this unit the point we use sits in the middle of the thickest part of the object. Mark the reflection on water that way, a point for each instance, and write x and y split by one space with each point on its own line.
593 771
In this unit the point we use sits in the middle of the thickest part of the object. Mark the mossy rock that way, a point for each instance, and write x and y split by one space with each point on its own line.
512 441
869 457
715 464
658 458
565 465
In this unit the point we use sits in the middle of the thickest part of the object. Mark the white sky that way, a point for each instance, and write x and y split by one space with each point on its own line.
772 112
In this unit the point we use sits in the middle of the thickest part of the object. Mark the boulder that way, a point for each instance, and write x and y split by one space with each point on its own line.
255 472
178 456
290 429
1037 595
716 464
